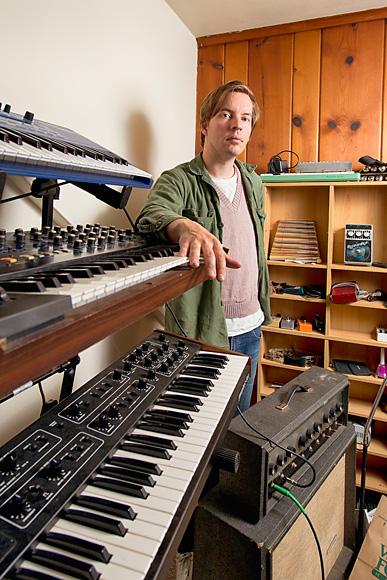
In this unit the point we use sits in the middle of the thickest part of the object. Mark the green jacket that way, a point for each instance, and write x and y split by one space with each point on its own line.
188 191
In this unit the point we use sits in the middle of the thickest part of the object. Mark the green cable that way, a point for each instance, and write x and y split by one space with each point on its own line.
288 494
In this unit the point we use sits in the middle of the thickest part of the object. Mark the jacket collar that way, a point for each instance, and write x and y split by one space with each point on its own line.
197 167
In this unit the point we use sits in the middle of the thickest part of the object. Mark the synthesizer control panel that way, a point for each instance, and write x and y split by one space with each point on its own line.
24 253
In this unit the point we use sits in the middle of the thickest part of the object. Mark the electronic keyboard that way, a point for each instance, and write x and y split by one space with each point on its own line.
35 148
47 273
103 485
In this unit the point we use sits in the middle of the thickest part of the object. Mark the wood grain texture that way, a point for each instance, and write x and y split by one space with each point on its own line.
351 92
270 78
293 27
210 75
236 67
306 95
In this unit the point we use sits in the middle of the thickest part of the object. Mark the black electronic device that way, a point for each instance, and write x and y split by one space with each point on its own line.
46 273
301 417
35 148
121 462
358 244
281 545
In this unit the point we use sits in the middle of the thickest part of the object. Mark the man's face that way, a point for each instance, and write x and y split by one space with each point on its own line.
228 132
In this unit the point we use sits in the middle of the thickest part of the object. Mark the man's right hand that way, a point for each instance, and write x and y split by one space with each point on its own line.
195 241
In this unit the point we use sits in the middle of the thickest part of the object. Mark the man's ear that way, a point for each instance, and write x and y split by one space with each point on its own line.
203 128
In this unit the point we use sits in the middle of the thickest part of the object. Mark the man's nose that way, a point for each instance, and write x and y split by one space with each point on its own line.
237 123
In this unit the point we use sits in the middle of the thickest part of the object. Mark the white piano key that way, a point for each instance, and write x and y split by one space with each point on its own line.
86 290
112 572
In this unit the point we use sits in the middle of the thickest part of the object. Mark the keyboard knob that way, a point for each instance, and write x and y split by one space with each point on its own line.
226 459
8 464
28 116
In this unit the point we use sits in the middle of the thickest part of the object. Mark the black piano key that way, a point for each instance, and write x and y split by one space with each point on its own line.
106 506
158 427
13 137
221 359
188 390
210 363
166 417
64 564
175 403
78 272
149 450
112 264
170 397
152 440
198 382
77 546
91 520
201 372
27 138
64 277
178 414
128 475
139 258
23 286
48 281
3 136
145 466
124 487
95 269
25 574
128 260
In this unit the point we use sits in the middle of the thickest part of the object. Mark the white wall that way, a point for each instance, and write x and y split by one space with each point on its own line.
121 73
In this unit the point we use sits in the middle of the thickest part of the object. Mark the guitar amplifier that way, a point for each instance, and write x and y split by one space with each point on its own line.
358 244
281 545
300 417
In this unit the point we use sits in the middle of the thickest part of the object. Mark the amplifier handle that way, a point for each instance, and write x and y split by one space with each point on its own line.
289 395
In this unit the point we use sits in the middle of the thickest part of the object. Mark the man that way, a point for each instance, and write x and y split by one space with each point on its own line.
208 204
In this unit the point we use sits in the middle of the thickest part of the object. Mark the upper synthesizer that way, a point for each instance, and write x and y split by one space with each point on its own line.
35 148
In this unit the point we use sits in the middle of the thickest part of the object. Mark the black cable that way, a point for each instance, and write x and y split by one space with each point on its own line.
42 393
278 170
175 319
292 481
33 192
129 218
288 494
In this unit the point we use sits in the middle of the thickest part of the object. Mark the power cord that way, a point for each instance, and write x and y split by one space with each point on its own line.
175 319
292 481
288 494
277 165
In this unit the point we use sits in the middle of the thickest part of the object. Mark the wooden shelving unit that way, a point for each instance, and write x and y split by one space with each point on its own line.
350 329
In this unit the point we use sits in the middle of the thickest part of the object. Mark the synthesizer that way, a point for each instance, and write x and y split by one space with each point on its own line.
35 148
47 273
103 485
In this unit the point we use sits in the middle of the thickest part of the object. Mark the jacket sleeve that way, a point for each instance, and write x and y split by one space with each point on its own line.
164 205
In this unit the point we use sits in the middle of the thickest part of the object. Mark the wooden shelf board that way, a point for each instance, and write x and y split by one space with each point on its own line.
356 268
296 297
353 337
293 264
277 330
375 480
273 363
377 448
360 408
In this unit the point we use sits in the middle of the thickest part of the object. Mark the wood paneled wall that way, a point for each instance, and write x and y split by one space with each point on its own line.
321 86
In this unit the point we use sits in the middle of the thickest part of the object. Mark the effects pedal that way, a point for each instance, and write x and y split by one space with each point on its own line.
358 244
